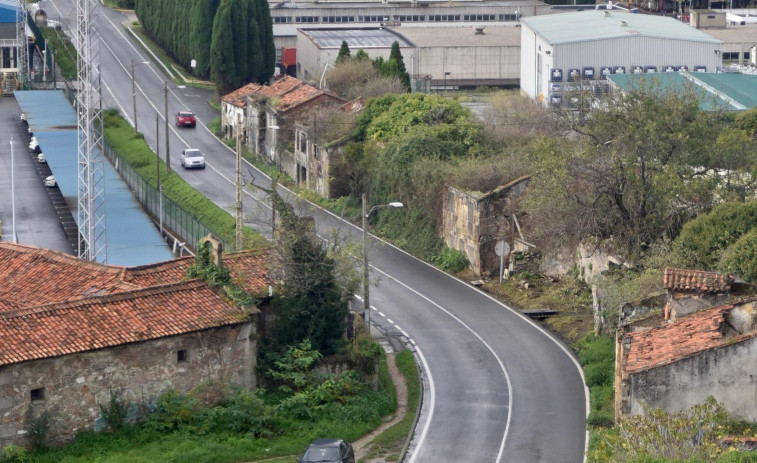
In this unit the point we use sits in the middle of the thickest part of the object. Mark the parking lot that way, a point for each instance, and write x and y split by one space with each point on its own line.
37 223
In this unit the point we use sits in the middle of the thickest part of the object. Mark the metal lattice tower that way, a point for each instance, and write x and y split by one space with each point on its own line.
91 213
22 57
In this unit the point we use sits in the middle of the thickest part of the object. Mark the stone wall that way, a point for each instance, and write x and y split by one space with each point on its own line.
73 386
726 373
473 222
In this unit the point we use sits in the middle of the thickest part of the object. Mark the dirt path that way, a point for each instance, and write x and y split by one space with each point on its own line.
363 445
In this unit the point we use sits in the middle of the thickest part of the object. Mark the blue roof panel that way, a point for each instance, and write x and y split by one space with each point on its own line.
132 239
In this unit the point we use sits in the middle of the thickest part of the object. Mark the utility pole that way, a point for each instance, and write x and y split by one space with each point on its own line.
168 148
366 283
240 224
157 171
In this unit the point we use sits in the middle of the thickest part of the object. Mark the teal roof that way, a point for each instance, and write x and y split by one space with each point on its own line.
583 26
8 11
731 92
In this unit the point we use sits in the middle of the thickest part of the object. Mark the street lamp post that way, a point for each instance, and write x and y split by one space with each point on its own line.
13 195
366 281
134 93
446 73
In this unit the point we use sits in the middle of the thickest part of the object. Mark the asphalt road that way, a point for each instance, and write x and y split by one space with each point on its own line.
498 387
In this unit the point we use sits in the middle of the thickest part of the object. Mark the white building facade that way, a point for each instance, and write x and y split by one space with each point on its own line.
562 50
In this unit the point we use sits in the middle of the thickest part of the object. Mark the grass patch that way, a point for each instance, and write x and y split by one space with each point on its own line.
65 53
135 151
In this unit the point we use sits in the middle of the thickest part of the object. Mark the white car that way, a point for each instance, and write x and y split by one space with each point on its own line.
192 158
50 181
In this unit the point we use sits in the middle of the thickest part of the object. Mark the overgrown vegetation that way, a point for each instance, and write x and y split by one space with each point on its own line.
65 53
219 423
597 357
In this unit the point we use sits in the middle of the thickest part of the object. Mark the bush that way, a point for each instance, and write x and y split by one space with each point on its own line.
15 454
599 374
741 257
451 260
114 413
703 239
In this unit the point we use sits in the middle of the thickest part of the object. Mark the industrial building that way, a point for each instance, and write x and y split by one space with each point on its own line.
468 57
288 16
561 51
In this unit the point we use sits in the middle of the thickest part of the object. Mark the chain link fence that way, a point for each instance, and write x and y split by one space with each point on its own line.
178 220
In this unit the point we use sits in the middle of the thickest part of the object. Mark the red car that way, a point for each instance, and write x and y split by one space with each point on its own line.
185 119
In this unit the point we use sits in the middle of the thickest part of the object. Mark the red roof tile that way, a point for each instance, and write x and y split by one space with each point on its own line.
105 321
238 96
32 276
281 87
249 269
687 336
696 280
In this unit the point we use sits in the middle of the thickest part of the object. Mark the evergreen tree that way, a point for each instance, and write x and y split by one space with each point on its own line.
222 66
267 47
400 71
344 53
201 34
362 55
255 52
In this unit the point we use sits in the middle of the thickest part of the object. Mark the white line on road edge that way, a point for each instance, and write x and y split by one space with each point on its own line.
486 344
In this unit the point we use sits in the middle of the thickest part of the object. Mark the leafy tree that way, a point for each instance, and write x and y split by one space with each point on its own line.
692 434
361 55
747 121
391 116
638 171
310 305
344 53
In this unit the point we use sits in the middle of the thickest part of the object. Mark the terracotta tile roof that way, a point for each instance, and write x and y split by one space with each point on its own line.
687 336
249 269
238 96
170 271
281 87
32 276
105 321
696 280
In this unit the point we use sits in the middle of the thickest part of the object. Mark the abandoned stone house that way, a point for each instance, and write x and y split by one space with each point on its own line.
699 351
473 222
270 112
73 332
233 110
319 162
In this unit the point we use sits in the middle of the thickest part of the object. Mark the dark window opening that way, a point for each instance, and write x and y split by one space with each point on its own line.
38 394
181 356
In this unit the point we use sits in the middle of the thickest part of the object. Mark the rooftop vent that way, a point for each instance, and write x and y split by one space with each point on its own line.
479 30
607 14
623 24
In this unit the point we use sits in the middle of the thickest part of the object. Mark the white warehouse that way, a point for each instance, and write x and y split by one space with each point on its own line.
586 46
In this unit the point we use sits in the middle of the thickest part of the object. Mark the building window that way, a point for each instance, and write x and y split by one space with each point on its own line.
38 394
282 19
181 356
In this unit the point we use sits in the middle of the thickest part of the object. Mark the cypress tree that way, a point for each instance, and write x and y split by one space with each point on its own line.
267 47
201 34
222 66
400 71
344 53
255 53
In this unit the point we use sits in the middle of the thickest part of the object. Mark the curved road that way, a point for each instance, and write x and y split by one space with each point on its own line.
498 387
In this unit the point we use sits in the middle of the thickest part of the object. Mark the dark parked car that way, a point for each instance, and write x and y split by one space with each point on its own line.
185 119
329 451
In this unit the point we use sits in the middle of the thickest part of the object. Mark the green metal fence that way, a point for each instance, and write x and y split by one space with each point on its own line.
183 224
